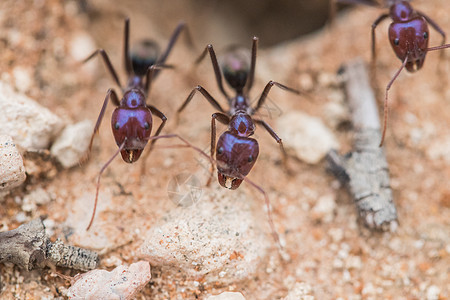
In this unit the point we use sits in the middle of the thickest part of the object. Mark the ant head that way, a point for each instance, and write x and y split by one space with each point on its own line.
143 55
235 64
410 40
134 124
235 156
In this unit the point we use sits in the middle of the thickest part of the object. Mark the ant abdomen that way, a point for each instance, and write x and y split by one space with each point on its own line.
235 64
143 55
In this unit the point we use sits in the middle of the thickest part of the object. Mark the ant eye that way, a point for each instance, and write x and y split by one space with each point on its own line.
146 126
396 42
250 158
117 125
425 35
220 150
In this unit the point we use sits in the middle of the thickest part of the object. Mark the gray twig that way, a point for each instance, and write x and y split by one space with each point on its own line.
365 170
29 247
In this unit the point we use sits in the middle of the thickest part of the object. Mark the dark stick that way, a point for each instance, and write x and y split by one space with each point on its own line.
365 170
30 248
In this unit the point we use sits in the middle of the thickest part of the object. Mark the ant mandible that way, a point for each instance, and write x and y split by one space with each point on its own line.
236 152
132 120
408 34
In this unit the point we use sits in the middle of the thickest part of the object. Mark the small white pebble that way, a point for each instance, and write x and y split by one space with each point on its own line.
346 276
72 144
337 234
306 82
121 283
12 170
32 125
21 217
324 208
306 136
22 78
38 196
81 46
301 290
368 289
354 262
49 226
227 296
338 264
433 292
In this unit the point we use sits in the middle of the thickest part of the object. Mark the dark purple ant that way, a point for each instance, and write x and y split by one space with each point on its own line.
236 151
132 120
408 35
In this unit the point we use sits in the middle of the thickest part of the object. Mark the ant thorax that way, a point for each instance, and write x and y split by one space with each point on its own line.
136 82
240 103
402 11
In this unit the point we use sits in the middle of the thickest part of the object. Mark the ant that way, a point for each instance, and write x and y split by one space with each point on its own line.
132 119
236 152
408 35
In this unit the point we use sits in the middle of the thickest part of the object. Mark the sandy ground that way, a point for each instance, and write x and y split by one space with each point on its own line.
334 257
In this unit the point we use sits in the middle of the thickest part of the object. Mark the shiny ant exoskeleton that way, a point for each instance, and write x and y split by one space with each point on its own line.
132 120
236 151
408 34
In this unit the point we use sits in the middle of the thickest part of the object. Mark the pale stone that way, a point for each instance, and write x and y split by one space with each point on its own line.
307 136
121 283
31 125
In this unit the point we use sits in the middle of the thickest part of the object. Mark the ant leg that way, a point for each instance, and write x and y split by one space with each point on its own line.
148 78
441 69
163 118
438 47
224 119
386 100
266 91
251 74
334 3
365 2
98 181
126 48
279 141
216 67
107 63
172 41
110 94
275 234
151 74
435 26
374 26
205 93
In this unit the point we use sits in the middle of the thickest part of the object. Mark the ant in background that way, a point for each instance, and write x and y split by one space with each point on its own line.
408 34
132 120
236 152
